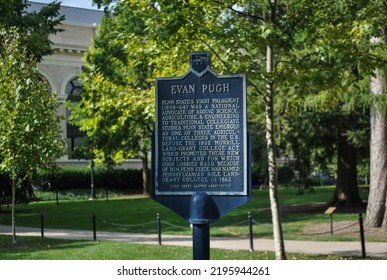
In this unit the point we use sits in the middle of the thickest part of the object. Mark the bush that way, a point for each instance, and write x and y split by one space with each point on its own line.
285 174
23 195
128 181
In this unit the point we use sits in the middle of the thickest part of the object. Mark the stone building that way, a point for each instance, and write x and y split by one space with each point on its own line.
62 69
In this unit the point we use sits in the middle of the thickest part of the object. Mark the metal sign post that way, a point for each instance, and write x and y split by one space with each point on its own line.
201 167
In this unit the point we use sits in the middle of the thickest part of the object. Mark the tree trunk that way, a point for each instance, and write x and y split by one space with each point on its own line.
273 182
347 191
376 209
13 210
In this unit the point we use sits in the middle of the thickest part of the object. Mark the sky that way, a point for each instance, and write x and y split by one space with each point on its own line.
72 3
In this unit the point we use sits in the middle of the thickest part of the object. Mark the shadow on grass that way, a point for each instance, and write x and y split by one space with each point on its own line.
35 248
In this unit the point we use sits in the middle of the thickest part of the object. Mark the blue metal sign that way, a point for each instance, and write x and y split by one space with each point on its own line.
201 143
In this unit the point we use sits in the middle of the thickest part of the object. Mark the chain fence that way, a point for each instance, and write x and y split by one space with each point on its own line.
159 224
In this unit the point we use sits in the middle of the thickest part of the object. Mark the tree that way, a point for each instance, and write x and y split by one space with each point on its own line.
34 27
175 28
270 137
29 125
359 21
377 201
116 109
321 60
333 60
307 139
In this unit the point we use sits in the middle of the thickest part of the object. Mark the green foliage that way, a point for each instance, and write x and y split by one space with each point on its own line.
332 56
326 90
24 195
285 174
322 65
140 41
116 109
34 27
29 125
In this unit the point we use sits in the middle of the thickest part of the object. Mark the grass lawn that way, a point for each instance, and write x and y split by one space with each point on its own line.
138 215
34 248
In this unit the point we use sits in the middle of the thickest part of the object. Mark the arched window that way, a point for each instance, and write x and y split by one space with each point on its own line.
73 89
74 135
45 81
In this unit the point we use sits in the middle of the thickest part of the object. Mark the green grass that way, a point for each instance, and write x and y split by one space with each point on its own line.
138 215
122 215
30 248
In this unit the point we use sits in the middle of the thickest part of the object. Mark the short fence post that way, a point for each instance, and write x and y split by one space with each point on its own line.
249 218
159 228
94 227
41 224
362 240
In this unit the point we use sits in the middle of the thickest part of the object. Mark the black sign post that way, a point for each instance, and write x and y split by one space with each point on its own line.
201 167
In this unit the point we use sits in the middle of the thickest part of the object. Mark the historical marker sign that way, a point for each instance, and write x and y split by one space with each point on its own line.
201 137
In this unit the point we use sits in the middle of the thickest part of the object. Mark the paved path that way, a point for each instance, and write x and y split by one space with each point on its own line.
373 249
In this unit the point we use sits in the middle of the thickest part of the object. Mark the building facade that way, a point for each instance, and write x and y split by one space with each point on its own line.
61 70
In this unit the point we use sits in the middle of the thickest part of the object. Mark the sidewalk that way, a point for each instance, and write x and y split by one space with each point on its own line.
373 249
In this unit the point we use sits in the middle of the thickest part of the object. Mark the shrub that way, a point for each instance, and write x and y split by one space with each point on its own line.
23 195
128 181
285 174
